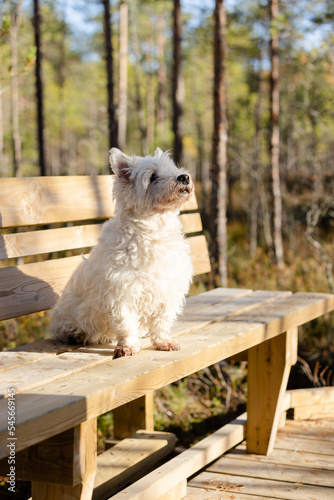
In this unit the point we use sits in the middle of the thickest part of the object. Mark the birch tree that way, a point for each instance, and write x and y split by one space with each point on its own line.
275 132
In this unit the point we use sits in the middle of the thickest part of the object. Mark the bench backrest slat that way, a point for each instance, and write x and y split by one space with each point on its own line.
43 201
49 200
68 238
35 287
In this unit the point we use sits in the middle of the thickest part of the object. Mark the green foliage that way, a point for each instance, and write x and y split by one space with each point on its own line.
5 26
24 330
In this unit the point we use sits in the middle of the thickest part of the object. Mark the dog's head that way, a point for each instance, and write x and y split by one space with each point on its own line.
148 185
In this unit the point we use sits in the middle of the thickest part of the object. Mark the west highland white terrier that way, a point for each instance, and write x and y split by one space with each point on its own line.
135 279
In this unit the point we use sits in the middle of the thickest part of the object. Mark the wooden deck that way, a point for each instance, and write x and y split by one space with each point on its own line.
301 467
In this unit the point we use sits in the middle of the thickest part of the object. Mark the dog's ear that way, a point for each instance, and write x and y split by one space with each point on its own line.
120 163
158 152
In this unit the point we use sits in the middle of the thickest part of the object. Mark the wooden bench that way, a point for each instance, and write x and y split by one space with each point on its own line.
58 391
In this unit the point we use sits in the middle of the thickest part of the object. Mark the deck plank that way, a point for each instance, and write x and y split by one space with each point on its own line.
303 430
261 487
286 442
287 457
203 494
250 467
287 473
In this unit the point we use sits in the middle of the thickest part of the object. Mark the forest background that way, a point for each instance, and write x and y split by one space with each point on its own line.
77 134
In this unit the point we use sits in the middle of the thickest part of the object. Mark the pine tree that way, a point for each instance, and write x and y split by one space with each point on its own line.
39 89
219 153
275 132
177 83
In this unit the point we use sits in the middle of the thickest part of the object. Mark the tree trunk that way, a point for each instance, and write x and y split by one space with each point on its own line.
178 83
15 21
39 89
150 97
162 74
138 80
63 162
254 188
275 133
1 128
219 154
112 124
123 74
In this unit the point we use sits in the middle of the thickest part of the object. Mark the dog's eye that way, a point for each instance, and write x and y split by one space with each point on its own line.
154 177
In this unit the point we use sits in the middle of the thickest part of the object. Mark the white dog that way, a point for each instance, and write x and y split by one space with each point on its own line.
136 278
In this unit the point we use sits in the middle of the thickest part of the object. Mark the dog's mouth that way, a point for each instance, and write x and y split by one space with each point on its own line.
186 189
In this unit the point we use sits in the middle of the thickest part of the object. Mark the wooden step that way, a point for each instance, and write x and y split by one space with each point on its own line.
173 473
129 460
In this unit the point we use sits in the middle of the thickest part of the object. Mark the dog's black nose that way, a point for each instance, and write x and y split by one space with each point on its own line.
184 178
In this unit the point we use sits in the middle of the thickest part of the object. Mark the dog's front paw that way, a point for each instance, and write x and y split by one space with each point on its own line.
125 350
166 345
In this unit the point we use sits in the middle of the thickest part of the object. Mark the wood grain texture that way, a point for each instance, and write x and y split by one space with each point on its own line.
48 200
71 361
260 488
48 240
23 355
272 471
137 414
176 492
56 460
187 463
129 460
36 287
269 366
286 473
313 412
287 457
84 460
68 238
203 493
199 254
53 407
316 396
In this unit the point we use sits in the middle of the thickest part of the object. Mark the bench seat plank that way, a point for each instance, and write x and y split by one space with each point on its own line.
59 405
64 365
26 354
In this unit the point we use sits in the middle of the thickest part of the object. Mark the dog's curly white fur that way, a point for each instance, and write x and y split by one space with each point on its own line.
136 278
